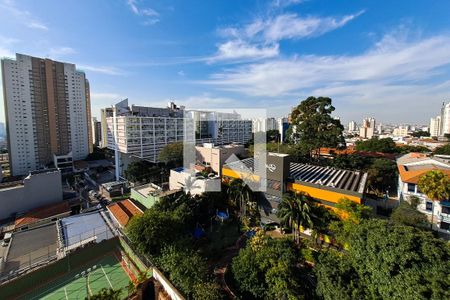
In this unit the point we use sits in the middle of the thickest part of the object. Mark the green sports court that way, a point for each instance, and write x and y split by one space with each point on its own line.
104 272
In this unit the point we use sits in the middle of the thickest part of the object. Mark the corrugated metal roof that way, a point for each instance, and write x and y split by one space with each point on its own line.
354 181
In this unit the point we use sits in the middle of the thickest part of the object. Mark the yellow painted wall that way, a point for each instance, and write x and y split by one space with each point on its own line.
322 194
241 175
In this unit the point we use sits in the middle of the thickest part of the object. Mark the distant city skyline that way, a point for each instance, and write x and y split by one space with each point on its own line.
386 61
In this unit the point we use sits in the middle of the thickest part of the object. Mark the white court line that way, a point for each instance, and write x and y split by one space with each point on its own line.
106 276
65 292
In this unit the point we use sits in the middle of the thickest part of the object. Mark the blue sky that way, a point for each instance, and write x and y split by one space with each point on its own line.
387 59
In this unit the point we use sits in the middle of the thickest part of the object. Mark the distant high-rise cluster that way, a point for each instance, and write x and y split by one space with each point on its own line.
440 125
47 108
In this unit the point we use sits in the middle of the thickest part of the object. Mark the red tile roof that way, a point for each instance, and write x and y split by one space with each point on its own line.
123 211
43 212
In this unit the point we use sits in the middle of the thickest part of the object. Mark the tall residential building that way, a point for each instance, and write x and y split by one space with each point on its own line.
445 119
352 126
96 132
435 126
142 132
367 128
47 108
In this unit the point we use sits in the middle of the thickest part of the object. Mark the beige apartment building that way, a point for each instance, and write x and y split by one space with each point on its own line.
47 108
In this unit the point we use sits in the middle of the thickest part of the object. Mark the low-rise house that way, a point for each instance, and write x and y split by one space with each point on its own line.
195 183
411 167
122 211
149 194
42 215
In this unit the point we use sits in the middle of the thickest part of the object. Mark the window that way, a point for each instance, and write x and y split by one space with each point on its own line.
429 206
445 210
411 188
445 226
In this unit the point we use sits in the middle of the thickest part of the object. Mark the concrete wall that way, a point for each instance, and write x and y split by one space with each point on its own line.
37 190
217 156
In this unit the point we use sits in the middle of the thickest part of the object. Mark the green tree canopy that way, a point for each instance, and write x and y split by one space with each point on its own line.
106 294
143 171
185 267
420 133
382 175
444 150
153 230
436 185
406 214
315 127
172 154
270 269
385 145
386 261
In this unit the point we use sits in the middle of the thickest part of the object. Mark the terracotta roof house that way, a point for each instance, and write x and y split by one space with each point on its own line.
411 167
43 214
122 212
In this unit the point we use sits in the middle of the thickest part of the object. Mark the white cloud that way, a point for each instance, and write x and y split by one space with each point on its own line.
387 61
102 69
181 73
238 49
23 16
61 51
291 26
260 38
151 15
284 3
37 25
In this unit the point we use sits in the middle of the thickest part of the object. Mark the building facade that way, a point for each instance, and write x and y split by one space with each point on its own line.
367 129
96 132
411 167
47 108
142 132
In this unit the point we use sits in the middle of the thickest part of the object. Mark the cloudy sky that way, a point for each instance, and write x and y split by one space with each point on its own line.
387 59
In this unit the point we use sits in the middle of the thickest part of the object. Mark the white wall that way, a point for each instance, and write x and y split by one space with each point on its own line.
38 190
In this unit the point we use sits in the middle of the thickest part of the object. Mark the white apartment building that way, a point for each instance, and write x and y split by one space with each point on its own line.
435 126
352 126
143 136
47 108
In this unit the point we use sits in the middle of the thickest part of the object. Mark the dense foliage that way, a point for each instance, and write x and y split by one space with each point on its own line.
444 150
436 185
386 261
420 133
314 125
385 145
272 269
172 154
142 172
382 176
406 214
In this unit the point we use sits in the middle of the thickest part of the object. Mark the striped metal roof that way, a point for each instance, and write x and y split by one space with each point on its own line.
354 181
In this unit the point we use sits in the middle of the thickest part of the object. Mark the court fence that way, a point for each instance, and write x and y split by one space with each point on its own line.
19 284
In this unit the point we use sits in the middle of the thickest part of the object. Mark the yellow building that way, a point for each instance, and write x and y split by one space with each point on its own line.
327 185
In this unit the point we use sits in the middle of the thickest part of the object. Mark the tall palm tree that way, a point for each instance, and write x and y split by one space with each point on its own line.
436 186
296 210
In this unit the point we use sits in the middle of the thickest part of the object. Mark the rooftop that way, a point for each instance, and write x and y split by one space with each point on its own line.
80 229
42 212
412 166
123 211
353 181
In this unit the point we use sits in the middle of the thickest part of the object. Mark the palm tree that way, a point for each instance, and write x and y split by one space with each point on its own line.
296 210
436 186
240 195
